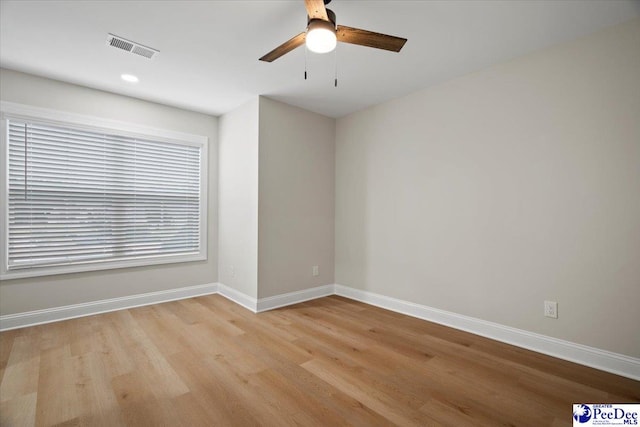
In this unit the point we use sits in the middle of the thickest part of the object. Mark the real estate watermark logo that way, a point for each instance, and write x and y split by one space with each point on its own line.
606 414
581 413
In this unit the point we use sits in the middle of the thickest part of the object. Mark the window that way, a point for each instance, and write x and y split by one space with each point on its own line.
83 194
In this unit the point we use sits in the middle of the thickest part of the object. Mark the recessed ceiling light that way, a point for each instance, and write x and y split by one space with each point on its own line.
130 78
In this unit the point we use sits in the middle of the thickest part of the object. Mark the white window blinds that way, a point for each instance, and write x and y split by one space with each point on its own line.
85 196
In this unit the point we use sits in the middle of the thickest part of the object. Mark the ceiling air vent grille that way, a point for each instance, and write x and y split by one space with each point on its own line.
129 46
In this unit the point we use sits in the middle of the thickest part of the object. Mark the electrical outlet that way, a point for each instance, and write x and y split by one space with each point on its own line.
232 271
551 309
315 270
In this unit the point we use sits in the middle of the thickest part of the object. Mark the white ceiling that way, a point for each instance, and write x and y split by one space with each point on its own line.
209 50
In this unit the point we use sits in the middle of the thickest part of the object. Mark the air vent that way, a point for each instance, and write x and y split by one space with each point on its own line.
129 46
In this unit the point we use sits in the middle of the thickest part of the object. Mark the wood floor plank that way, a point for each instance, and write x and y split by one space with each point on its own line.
214 322
366 392
222 405
149 360
222 348
56 382
162 326
98 404
243 395
19 411
332 361
6 345
84 335
499 396
115 357
294 404
352 411
20 377
446 413
160 412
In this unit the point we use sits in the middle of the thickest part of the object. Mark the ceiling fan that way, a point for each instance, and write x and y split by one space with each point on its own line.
322 34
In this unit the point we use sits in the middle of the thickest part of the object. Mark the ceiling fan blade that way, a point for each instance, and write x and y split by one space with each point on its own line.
285 47
316 9
369 38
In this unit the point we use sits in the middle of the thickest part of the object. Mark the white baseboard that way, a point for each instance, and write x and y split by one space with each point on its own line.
589 356
600 359
38 317
290 298
269 303
55 314
238 297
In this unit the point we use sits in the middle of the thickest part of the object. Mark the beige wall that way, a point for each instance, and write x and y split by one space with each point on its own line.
487 195
22 295
238 209
296 201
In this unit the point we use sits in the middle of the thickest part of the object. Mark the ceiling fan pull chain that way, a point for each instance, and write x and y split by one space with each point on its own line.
305 62
335 69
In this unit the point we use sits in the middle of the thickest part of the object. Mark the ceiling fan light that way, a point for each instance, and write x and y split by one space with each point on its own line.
321 36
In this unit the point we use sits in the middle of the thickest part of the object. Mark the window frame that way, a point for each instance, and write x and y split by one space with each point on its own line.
10 110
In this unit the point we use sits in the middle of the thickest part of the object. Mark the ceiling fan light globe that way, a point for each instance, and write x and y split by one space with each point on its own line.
321 37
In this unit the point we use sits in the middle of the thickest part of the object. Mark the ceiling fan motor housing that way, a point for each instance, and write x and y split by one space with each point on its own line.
330 14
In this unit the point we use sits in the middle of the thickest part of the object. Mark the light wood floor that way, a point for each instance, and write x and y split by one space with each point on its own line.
208 362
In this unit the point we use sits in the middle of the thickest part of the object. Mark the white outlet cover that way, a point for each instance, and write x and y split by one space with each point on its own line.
551 309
